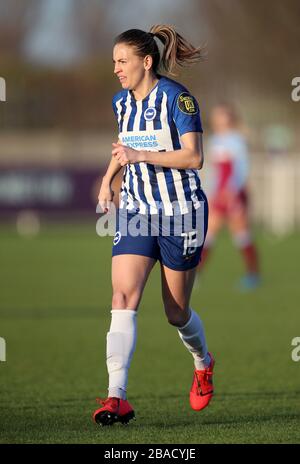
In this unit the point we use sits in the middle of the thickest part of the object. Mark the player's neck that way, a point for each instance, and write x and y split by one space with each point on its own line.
145 87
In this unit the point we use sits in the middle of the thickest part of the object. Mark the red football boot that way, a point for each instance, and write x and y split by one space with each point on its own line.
113 410
202 387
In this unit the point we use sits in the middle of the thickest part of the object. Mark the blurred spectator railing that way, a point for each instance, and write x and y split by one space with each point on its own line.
49 159
275 192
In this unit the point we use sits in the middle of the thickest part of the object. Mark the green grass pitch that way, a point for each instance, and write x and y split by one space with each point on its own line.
55 312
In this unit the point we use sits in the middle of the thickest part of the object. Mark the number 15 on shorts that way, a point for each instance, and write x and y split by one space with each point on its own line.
191 242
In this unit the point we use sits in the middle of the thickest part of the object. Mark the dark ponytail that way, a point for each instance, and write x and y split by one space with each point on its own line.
177 51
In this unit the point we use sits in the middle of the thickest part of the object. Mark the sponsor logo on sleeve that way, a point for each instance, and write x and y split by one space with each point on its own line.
187 104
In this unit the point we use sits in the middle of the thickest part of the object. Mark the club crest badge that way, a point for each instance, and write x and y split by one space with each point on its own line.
117 237
150 113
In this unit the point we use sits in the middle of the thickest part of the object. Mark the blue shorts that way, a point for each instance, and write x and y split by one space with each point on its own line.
176 241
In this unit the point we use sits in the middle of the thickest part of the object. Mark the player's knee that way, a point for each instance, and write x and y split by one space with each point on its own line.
122 300
242 238
119 300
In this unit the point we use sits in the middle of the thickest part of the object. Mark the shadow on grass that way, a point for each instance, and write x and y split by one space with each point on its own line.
246 395
158 398
202 421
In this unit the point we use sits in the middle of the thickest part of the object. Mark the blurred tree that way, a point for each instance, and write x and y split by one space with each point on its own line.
12 25
252 54
256 37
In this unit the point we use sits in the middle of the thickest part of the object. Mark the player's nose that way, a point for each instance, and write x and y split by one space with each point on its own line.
117 69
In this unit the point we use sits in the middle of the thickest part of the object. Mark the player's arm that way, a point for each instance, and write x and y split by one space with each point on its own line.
190 156
113 168
106 193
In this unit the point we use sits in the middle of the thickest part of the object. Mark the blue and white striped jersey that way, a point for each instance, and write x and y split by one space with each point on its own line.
156 124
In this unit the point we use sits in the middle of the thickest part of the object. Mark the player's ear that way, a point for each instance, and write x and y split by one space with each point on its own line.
148 62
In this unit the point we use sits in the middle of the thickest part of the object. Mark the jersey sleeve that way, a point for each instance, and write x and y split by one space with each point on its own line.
117 98
114 107
186 113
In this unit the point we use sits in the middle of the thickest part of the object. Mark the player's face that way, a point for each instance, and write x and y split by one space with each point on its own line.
220 120
129 67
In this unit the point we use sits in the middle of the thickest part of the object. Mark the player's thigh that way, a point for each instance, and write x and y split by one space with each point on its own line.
129 276
215 222
176 292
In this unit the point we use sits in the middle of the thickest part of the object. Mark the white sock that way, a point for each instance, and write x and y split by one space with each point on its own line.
121 341
192 335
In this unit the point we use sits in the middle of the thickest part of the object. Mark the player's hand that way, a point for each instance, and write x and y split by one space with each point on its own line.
105 197
125 155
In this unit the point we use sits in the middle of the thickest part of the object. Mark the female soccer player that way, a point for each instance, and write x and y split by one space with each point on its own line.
227 190
160 145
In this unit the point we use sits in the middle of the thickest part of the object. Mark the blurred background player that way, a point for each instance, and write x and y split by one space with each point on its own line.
227 157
